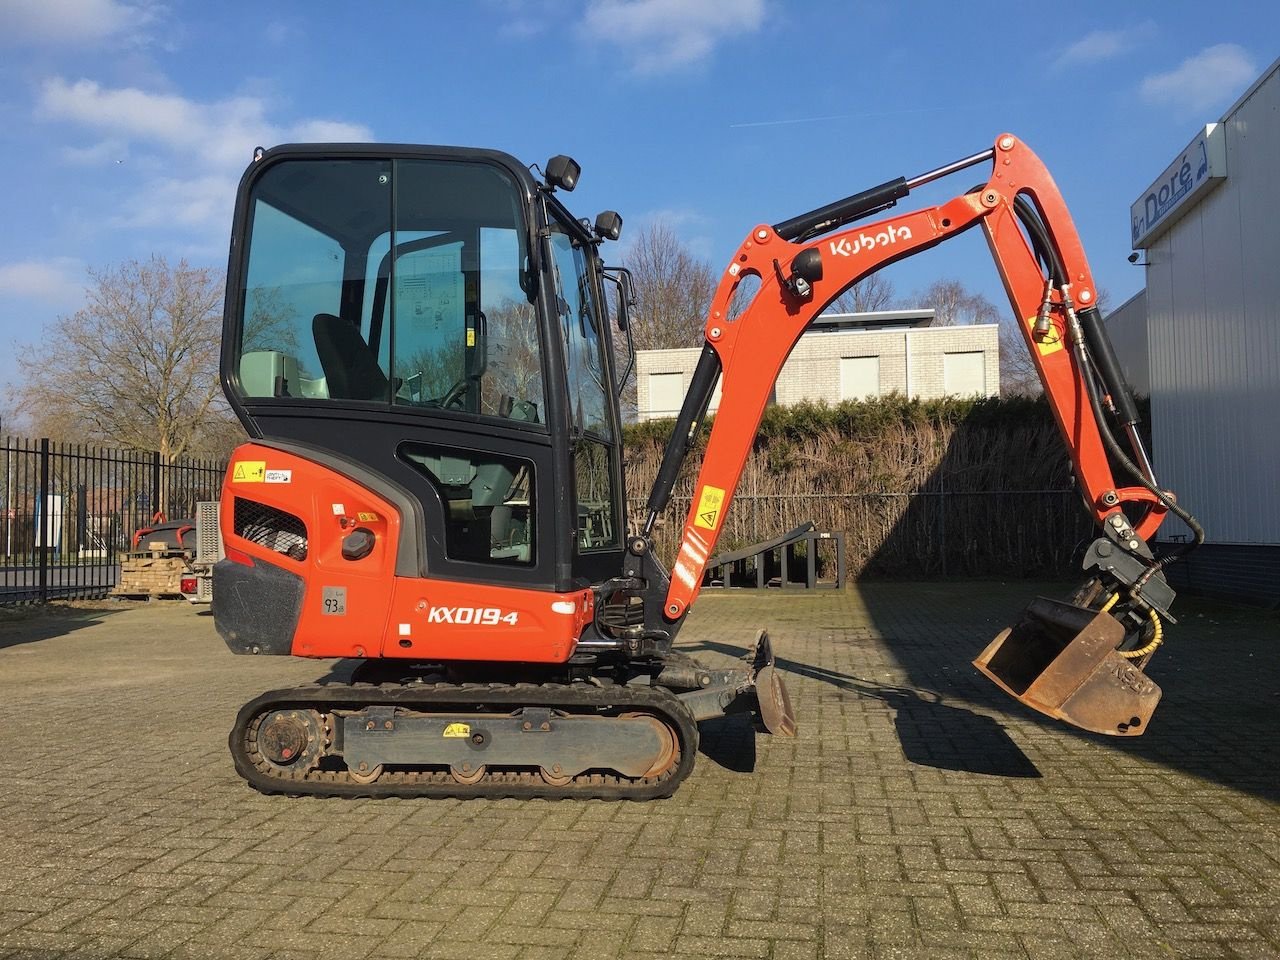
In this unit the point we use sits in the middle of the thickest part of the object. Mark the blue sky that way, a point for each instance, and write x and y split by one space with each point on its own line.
125 124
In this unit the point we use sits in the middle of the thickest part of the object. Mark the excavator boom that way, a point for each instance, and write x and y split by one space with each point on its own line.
1051 289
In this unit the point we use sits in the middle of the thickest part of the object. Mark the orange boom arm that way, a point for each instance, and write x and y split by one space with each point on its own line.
798 280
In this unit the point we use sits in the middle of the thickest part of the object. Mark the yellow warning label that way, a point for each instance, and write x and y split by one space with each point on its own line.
1050 343
365 517
710 503
249 471
471 337
457 730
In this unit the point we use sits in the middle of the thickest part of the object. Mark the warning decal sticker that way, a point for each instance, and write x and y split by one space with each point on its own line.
457 730
1052 342
710 504
249 471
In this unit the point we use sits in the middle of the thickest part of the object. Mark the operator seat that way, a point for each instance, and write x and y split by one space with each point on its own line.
350 367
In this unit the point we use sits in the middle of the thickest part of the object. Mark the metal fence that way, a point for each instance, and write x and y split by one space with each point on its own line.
70 510
1014 533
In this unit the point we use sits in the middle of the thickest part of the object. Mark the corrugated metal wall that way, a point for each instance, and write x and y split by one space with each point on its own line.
1213 303
1127 328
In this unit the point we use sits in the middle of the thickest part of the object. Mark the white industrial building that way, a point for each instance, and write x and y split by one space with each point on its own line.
1204 339
849 356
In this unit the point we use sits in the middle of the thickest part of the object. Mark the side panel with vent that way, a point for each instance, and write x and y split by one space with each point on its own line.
300 554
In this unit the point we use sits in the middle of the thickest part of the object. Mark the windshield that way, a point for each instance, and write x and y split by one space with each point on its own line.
390 281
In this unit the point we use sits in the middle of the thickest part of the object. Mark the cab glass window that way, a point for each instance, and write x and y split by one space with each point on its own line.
403 282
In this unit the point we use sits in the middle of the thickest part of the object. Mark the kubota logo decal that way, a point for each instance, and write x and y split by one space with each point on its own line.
887 237
472 616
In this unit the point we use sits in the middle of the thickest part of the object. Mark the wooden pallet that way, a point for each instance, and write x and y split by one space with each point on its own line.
150 575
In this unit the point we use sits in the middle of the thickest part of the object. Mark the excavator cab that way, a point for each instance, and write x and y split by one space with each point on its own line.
435 316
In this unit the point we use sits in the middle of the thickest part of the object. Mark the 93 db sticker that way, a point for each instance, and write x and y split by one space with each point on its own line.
333 601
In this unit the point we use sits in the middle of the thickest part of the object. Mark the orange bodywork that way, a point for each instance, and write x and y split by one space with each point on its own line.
384 615
753 346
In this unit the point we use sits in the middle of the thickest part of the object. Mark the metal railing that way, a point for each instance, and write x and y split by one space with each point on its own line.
912 533
69 511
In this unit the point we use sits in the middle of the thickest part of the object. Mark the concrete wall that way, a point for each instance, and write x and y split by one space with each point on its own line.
1127 327
812 372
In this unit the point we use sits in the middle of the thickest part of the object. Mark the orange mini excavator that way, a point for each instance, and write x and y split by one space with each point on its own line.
416 340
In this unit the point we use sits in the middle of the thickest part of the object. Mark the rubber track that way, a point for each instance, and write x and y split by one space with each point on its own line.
465 698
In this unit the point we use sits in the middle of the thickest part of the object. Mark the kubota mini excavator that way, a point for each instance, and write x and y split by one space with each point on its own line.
416 341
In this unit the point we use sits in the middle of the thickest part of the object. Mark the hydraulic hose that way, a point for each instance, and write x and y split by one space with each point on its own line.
1044 248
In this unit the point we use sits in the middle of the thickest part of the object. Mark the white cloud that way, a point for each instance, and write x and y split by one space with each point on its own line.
1203 81
659 36
73 22
214 141
59 281
1103 45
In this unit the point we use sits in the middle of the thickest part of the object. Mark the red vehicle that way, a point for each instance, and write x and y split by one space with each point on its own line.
416 340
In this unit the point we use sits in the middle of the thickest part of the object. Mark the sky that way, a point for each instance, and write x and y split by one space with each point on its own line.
125 124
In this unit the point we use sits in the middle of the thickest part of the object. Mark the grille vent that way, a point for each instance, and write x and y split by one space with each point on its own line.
208 536
271 527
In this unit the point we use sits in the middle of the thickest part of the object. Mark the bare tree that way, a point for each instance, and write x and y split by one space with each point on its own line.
955 304
137 366
1018 375
868 294
673 290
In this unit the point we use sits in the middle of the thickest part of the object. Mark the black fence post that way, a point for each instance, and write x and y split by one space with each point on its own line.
156 504
42 526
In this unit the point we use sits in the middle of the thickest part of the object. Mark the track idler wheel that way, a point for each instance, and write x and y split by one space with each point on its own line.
1061 660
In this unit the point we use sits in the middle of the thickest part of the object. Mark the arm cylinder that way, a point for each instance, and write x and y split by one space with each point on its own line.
842 211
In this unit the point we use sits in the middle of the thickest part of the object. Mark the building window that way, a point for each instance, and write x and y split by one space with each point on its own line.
964 374
666 394
859 378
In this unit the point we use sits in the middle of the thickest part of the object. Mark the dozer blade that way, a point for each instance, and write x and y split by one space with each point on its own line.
1061 660
776 712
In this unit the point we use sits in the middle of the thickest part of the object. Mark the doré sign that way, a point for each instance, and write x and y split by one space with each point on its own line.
1199 168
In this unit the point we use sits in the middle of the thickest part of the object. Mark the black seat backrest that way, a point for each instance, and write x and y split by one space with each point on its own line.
350 367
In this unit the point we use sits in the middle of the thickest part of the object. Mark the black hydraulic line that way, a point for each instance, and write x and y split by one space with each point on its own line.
1120 394
1100 347
1114 448
692 413
1040 240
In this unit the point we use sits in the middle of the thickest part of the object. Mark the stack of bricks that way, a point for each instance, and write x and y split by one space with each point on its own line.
155 574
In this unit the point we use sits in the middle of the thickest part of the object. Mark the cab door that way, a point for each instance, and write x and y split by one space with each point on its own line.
596 501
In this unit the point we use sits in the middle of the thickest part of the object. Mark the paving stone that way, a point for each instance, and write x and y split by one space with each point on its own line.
919 813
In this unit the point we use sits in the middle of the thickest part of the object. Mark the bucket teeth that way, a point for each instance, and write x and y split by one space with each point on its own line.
1061 660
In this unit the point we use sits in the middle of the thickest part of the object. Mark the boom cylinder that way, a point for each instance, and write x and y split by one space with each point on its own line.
692 413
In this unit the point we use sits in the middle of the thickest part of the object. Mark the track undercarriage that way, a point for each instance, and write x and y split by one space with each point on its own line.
594 738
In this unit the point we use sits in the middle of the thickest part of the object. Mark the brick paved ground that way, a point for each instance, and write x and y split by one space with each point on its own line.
919 814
